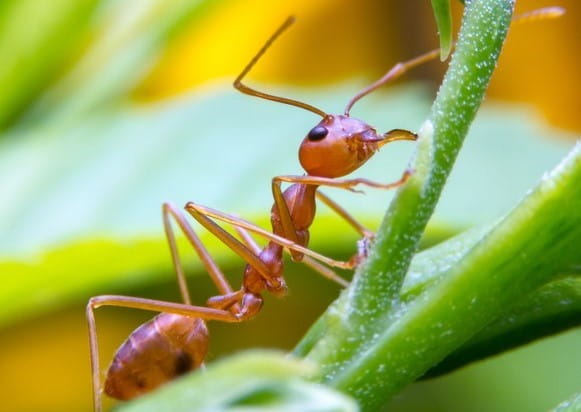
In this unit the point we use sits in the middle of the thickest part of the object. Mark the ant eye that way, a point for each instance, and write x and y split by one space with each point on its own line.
317 133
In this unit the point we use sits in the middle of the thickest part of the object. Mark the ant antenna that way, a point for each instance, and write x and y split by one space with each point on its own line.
245 89
400 68
539 14
395 72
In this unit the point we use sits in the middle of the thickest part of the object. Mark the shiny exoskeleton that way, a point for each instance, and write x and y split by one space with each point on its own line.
167 346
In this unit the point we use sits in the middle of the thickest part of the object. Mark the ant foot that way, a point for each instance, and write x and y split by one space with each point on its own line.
363 246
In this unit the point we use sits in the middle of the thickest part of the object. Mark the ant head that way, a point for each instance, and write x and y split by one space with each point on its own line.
337 146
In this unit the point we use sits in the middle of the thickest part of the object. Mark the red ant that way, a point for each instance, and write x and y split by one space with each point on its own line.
176 340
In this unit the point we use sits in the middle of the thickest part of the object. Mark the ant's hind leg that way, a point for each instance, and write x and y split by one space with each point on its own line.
200 312
170 211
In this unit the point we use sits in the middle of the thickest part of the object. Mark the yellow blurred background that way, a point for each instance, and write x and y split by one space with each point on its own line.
44 362
334 40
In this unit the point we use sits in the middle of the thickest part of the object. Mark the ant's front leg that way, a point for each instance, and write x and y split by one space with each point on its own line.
367 235
347 184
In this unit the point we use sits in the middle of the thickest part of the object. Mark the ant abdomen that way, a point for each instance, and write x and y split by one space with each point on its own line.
167 346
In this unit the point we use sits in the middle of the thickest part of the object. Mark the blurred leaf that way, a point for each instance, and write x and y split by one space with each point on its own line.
570 405
90 193
127 38
36 39
443 14
552 308
275 383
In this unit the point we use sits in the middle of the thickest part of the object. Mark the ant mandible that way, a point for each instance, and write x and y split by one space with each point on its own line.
176 340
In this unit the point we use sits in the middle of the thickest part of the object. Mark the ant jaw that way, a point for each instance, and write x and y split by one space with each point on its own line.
395 135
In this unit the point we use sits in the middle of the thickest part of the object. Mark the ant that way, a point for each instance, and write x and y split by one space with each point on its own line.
176 341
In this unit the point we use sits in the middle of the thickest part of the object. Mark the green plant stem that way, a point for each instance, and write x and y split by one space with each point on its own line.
521 253
355 321
443 15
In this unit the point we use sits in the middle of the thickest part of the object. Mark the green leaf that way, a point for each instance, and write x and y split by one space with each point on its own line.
36 39
127 40
275 383
571 405
443 14
552 308
83 216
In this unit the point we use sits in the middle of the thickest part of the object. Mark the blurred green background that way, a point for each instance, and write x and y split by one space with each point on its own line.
109 108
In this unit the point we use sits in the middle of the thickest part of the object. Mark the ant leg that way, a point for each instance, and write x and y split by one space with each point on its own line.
171 211
286 220
366 235
247 240
203 214
310 262
237 246
145 304
287 223
348 184
362 230
324 271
